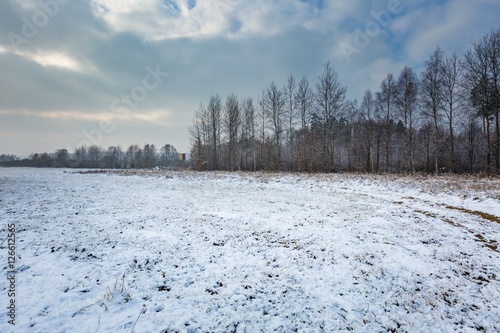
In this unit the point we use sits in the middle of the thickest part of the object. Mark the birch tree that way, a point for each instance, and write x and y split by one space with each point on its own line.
432 97
290 105
274 105
232 122
304 100
385 103
451 101
367 110
330 104
406 102
214 113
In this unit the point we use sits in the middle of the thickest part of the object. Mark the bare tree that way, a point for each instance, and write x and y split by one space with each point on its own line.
406 102
248 131
352 115
367 113
452 101
480 83
81 156
432 97
120 157
385 103
289 96
94 156
274 107
262 130
214 110
111 158
471 143
199 137
494 67
304 100
168 155
62 157
149 155
330 104
232 122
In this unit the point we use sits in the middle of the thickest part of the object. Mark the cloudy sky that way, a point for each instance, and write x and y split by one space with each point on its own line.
134 71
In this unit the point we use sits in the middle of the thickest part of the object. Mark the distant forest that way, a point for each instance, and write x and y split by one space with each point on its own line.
94 156
443 119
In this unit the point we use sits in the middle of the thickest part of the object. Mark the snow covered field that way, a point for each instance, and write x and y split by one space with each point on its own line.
220 252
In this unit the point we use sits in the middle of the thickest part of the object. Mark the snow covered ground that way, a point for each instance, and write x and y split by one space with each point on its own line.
221 252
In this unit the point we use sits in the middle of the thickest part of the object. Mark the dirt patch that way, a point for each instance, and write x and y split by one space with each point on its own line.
486 216
491 244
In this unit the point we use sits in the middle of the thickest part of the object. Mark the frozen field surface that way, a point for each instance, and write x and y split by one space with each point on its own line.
220 252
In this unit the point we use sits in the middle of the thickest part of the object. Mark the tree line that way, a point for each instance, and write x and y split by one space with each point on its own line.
443 119
114 157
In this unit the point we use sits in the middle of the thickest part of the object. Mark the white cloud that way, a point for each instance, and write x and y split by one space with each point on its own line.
155 19
56 59
156 116
160 19
49 58
62 115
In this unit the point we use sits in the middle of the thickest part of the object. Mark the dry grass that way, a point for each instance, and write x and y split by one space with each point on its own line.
484 185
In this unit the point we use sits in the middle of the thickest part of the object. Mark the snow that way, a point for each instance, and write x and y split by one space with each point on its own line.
220 252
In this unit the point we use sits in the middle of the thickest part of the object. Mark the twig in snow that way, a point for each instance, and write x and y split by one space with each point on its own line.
142 310
86 307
